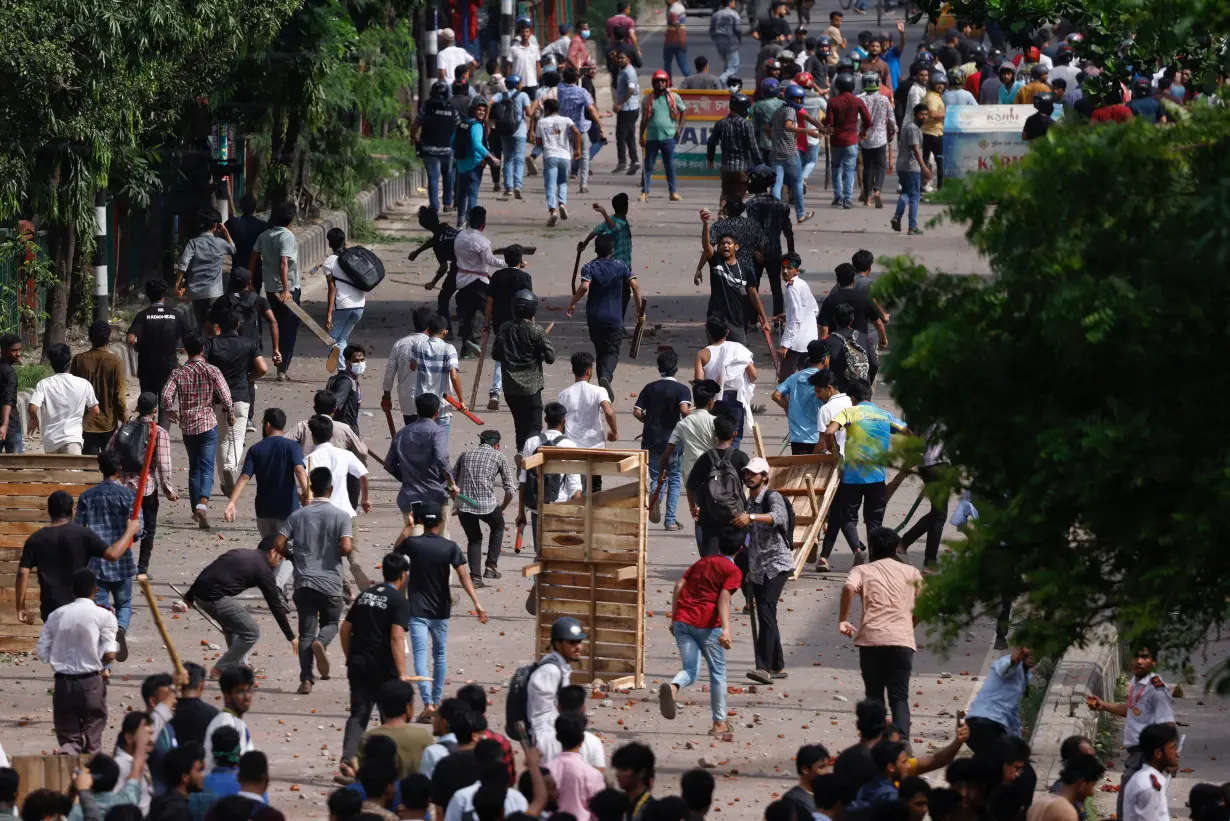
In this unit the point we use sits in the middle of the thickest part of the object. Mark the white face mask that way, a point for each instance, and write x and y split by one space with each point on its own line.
357 368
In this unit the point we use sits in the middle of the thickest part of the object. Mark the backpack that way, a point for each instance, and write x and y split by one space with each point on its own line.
788 533
504 115
723 489
244 304
132 443
858 365
517 704
463 140
363 269
552 482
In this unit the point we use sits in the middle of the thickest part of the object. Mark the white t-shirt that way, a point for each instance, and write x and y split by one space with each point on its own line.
340 463
449 58
553 133
348 296
584 422
62 400
591 750
572 481
462 802
523 60
828 411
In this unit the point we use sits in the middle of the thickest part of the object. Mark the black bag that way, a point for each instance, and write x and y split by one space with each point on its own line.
504 115
463 144
723 499
552 482
517 704
788 534
131 443
243 304
362 268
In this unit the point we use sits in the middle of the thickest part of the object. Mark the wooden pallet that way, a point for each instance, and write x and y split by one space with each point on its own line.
812 478
25 483
51 772
591 562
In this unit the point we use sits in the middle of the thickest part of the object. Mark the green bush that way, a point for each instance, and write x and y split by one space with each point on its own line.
29 375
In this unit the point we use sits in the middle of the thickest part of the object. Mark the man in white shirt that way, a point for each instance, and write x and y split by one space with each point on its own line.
78 641
400 367
236 685
1144 796
571 699
555 415
489 769
64 403
451 56
730 365
587 404
435 364
523 57
474 261
341 463
554 671
832 401
560 141
800 317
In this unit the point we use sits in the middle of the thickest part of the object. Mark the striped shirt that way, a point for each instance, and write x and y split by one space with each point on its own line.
435 360
398 368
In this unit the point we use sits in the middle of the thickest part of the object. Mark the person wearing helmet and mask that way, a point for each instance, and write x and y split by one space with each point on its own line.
1009 85
1037 84
522 349
512 133
470 148
787 123
873 147
1037 124
814 105
767 103
736 138
552 673
432 133
1144 105
662 121
933 129
847 118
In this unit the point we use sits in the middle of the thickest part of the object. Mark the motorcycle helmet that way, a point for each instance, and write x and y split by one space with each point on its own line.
439 90
804 79
844 83
795 94
871 81
524 304
740 104
512 82
768 88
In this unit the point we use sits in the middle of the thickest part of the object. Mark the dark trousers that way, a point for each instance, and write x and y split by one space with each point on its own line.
607 342
526 413
769 641
470 523
933 145
471 302
888 668
984 734
625 136
200 312
447 289
154 382
932 523
732 407
319 617
363 695
737 335
288 326
95 443
79 713
772 266
802 448
873 498
875 164
149 511
833 527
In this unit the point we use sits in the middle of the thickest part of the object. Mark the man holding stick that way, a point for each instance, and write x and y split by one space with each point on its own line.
505 283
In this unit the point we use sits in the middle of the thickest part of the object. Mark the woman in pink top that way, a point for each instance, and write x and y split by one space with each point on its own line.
885 638
576 780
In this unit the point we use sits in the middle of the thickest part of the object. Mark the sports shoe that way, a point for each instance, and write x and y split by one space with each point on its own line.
121 638
201 514
895 222
836 203
634 169
517 193
847 204
760 676
552 220
584 189
605 384
493 402
675 197
914 232
620 167
322 660
666 699
491 573
673 526
305 688
778 674
563 209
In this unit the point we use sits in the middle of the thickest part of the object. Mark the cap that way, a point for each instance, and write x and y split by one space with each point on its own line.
757 465
446 34
428 513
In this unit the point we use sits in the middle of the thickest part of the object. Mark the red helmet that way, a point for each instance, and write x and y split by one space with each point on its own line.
661 75
804 79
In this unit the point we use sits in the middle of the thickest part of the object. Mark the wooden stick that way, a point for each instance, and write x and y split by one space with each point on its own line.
162 628
777 363
482 353
467 413
201 612
547 330
388 415
576 266
759 441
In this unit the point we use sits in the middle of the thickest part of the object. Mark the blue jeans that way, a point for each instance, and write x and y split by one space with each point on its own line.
468 183
673 482
514 162
497 379
439 169
121 593
911 193
344 321
810 160
679 54
555 173
844 161
730 59
420 629
201 447
790 171
652 147
446 424
12 442
694 642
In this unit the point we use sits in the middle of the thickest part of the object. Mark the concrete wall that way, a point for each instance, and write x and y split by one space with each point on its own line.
313 248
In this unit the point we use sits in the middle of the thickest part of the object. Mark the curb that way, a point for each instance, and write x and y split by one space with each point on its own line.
1083 671
372 202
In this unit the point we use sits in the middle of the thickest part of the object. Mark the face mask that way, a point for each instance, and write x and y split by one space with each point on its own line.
357 368
585 35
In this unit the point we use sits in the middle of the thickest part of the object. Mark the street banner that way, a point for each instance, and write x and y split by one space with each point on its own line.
981 138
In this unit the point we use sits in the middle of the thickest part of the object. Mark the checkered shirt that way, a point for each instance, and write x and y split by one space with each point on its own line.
475 472
736 138
195 388
773 216
105 509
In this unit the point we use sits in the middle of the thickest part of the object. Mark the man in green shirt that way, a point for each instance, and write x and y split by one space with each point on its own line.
662 117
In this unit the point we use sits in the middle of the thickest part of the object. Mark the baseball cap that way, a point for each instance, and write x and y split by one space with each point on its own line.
428 513
757 465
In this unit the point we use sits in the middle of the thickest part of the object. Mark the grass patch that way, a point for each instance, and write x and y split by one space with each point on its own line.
1031 704
29 375
364 231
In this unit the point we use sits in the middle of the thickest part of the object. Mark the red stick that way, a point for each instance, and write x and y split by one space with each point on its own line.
768 337
457 405
149 458
520 533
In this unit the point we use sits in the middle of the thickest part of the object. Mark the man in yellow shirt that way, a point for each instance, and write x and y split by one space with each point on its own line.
1039 75
933 128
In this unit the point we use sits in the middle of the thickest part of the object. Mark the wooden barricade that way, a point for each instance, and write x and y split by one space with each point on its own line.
812 478
591 561
25 483
52 772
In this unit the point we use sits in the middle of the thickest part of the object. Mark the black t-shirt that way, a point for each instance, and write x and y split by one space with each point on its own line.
437 119
1036 125
232 354
452 773
698 480
251 308
432 559
660 401
855 767
244 230
192 717
8 388
802 797
158 330
58 552
373 616
728 287
865 311
504 284
772 27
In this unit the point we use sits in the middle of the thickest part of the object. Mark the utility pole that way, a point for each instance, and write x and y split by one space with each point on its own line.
506 30
102 308
431 46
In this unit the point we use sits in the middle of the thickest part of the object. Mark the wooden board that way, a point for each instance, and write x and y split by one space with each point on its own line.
52 772
809 482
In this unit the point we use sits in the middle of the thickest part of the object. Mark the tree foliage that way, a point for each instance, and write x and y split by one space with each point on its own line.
1077 388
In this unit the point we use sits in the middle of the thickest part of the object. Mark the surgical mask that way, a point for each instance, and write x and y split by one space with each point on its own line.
357 368
585 35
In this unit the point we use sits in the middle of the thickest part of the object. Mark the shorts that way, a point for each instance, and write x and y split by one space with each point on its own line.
734 185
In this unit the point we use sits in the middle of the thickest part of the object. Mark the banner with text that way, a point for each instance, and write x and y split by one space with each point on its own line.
981 138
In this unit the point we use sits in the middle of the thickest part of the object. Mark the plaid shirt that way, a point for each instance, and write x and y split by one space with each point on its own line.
748 235
195 388
160 468
475 472
773 215
736 137
105 509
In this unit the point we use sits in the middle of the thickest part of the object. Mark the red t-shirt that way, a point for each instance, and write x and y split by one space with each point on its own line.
973 83
703 582
1111 114
843 115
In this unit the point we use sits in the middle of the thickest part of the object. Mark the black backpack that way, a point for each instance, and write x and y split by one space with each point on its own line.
131 443
517 704
552 482
723 489
243 303
463 144
788 533
504 115
362 268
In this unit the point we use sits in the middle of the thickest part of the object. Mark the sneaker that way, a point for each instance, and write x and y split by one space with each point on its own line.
448 209
305 688
251 426
322 660
666 699
914 232
777 675
895 222
478 582
493 402
620 167
201 514
563 209
643 197
605 384
860 557
504 196
760 676
584 189
676 198
517 193
847 204
121 638
634 169
531 169
491 573
552 220
836 203
674 526
876 199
